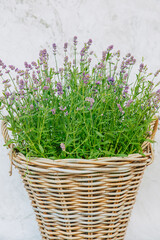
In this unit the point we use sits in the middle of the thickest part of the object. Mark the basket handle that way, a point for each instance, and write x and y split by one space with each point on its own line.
6 139
5 134
154 126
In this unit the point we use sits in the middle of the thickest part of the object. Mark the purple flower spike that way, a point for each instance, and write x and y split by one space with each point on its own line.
48 79
65 47
91 100
26 65
129 102
62 109
128 55
53 111
21 84
11 67
104 53
89 42
45 87
59 88
85 77
7 94
125 76
110 48
31 106
34 64
4 66
141 67
111 80
62 145
89 60
120 108
54 48
98 82
156 74
66 59
75 40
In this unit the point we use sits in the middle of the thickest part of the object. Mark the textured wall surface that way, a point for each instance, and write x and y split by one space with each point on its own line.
26 26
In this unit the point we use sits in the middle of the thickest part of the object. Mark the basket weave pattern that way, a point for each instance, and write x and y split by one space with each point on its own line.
77 199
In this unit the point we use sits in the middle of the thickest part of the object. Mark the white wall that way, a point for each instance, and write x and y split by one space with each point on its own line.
26 26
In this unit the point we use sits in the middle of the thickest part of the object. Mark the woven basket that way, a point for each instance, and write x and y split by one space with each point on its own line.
77 199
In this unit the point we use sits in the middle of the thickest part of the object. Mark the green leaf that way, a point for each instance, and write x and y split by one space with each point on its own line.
9 142
149 140
121 155
99 134
41 148
105 142
69 141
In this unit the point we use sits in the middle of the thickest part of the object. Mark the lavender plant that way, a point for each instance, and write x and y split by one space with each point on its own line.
79 110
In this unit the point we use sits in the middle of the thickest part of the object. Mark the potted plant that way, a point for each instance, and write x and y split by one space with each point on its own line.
81 138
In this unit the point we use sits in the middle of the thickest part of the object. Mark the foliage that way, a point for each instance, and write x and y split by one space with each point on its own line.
79 110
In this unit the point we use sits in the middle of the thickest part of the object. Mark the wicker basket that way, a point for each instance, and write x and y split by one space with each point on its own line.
77 199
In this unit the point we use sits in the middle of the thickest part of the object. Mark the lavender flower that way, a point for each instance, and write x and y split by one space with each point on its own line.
91 100
48 80
54 48
128 55
111 80
100 65
62 145
53 111
98 82
141 67
75 40
34 64
82 52
31 106
45 87
85 77
5 81
126 89
129 102
89 42
25 64
125 76
62 109
7 94
21 84
89 60
157 72
120 108
109 48
104 54
65 60
59 88
65 47
11 67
